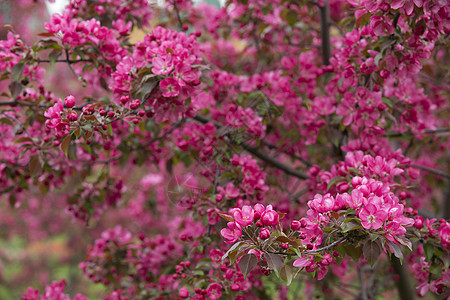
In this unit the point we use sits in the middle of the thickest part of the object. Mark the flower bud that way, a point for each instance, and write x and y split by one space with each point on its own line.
295 225
72 116
264 234
69 101
418 222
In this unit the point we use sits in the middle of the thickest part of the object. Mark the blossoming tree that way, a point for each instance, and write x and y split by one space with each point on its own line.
259 150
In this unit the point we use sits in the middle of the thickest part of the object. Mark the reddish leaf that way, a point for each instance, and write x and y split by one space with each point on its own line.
247 263
371 251
226 217
274 261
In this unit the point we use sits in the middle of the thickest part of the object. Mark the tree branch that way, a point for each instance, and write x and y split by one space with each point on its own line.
405 290
325 32
261 155
433 171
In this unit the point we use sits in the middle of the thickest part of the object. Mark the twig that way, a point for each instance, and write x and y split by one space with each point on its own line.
136 148
315 251
64 61
216 179
180 22
398 134
70 65
433 171
21 125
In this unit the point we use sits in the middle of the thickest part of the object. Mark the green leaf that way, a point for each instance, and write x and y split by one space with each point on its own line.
334 181
6 121
286 274
396 250
65 144
371 251
247 263
17 71
350 225
429 250
110 130
22 140
388 102
354 252
291 17
234 247
436 269
53 56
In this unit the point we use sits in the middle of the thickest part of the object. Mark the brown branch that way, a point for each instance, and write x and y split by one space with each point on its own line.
261 155
431 131
64 61
430 170
107 161
317 250
325 32
180 22
405 290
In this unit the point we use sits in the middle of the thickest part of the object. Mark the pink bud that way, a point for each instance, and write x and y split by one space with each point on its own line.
270 218
69 101
264 234
295 225
183 293
124 99
72 116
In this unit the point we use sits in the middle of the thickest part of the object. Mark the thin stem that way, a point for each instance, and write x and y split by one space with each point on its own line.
64 61
180 22
154 140
317 250
70 65
21 125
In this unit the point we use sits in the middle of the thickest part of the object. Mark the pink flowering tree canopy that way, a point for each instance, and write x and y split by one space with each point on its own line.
250 150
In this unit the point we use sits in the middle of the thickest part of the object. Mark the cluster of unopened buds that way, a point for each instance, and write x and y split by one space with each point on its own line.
247 216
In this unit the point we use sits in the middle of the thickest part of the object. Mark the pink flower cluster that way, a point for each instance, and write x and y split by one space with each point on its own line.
200 137
374 204
55 121
254 177
238 117
263 216
78 33
54 291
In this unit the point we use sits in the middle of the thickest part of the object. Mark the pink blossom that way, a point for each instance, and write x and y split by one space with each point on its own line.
371 217
244 216
162 66
214 291
232 233
444 234
394 229
170 87
303 261
322 203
